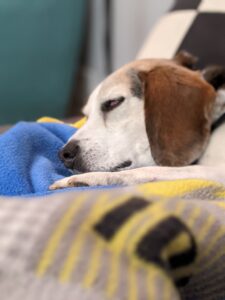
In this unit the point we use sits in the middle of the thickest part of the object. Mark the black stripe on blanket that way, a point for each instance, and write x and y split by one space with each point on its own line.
205 39
155 247
113 220
186 4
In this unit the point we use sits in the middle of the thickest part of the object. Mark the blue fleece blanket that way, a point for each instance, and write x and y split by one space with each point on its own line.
29 160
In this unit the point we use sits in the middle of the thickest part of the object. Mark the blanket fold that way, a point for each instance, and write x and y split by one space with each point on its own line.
29 160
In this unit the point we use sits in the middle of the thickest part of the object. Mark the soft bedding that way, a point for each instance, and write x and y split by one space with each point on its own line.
160 240
156 241
29 161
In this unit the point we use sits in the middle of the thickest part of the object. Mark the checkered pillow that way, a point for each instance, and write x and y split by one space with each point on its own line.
197 26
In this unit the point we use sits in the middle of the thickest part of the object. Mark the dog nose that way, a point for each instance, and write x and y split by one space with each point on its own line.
69 152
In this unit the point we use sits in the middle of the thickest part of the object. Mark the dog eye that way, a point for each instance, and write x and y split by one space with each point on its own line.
111 104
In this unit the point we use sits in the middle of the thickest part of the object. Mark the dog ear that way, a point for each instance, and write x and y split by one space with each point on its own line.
215 75
186 59
178 114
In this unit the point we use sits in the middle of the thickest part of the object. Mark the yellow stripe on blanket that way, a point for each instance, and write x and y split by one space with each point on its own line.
77 124
180 187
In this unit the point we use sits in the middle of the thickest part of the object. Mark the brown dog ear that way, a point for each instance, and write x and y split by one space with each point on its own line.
185 59
178 114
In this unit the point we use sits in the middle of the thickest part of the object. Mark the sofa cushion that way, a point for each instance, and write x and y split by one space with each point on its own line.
193 25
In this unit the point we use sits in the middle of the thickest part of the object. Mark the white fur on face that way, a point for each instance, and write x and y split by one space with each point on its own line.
108 139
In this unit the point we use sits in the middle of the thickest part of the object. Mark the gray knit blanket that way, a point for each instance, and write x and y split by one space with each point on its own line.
154 241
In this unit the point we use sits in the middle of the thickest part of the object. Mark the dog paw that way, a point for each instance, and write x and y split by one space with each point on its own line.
90 179
60 184
67 182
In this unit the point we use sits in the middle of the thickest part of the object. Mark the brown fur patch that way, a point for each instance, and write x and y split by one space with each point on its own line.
186 59
178 114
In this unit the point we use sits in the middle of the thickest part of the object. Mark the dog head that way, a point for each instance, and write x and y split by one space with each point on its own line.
149 112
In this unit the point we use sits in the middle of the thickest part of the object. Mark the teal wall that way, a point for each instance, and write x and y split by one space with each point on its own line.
39 51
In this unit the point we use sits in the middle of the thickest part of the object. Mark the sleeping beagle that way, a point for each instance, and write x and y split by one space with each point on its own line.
150 120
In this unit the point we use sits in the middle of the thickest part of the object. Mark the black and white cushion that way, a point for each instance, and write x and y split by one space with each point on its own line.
197 26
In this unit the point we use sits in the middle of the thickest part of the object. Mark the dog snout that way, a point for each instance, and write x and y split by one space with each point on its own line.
69 152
